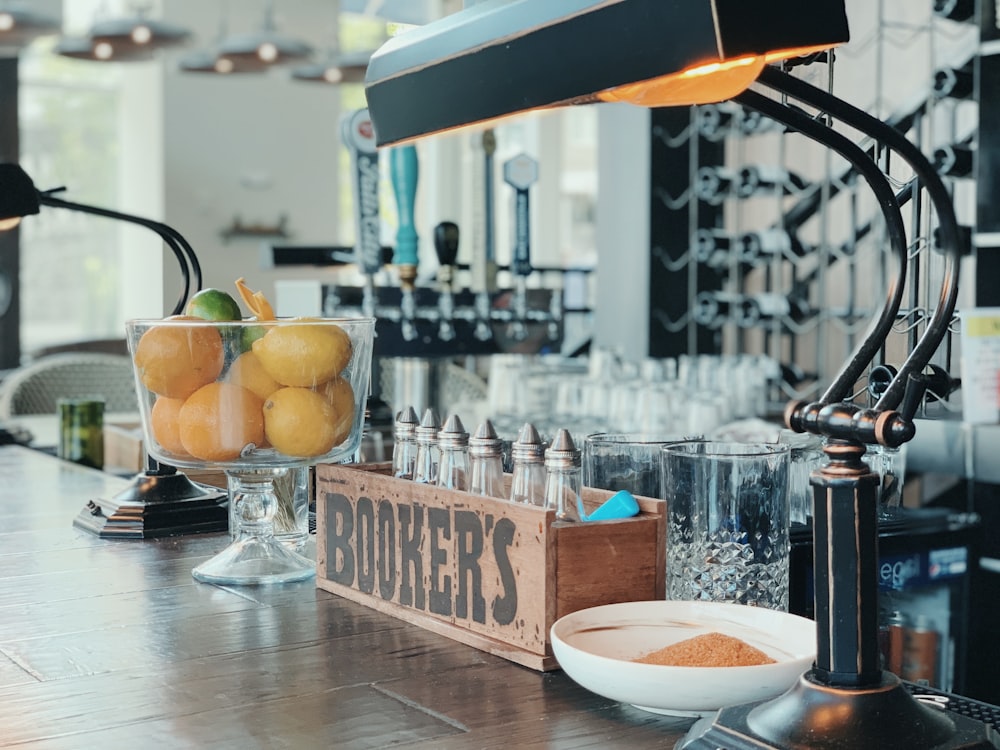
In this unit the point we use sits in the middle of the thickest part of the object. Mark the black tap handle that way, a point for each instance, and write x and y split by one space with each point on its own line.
446 243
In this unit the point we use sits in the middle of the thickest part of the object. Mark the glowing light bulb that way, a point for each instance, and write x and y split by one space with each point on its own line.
6 22
332 75
103 51
267 52
142 34
223 65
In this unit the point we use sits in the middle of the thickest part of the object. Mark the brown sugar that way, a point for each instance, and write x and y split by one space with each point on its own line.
708 650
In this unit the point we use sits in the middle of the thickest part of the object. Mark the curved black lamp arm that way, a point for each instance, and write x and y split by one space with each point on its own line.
911 369
888 203
182 250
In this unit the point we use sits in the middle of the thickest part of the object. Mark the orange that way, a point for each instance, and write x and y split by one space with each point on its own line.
166 427
304 354
246 370
341 397
300 422
219 420
176 360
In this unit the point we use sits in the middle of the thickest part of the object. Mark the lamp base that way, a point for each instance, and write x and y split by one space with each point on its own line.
813 715
157 504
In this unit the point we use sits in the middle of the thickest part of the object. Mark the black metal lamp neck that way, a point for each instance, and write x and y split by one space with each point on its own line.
186 257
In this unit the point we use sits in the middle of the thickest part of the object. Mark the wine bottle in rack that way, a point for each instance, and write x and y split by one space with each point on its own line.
712 247
956 10
714 184
954 161
763 307
756 248
767 178
713 308
954 83
753 122
717 120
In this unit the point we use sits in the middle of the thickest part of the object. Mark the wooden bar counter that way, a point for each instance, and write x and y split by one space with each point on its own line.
112 644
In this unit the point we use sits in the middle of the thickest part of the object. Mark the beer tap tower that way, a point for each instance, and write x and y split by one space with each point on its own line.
463 311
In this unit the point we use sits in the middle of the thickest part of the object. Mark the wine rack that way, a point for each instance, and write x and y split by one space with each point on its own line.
774 245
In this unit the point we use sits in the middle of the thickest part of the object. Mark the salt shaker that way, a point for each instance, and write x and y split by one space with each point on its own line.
453 445
527 483
563 478
425 465
404 443
486 462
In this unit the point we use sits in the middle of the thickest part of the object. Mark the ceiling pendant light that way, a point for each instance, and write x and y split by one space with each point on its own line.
265 47
20 26
85 48
138 31
131 39
210 61
346 67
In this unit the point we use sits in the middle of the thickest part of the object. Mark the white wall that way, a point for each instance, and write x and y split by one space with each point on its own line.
253 146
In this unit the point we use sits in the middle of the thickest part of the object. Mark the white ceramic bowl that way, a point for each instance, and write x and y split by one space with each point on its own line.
596 648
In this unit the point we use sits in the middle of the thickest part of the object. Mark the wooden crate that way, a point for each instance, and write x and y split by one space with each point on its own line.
489 573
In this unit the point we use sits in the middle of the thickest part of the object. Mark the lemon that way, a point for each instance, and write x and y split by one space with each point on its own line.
300 422
304 355
214 304
339 393
246 370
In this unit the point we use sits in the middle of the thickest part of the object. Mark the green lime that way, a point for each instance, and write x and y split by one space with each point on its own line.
214 304
249 334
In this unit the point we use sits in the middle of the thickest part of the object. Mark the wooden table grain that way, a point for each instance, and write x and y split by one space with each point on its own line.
112 644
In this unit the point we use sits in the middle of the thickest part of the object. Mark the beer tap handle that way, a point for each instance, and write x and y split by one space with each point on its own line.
521 173
404 170
446 246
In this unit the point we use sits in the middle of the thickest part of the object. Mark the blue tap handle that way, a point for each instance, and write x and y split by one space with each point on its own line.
403 170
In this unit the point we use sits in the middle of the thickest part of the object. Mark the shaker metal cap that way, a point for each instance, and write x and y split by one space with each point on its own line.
528 448
563 451
406 422
485 442
453 433
427 430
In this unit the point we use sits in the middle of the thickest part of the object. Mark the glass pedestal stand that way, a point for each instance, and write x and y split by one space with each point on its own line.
256 555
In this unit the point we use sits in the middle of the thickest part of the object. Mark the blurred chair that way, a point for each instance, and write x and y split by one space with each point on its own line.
36 387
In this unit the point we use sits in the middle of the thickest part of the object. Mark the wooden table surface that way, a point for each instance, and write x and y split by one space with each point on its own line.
112 644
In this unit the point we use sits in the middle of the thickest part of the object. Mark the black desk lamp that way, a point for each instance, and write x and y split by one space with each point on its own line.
499 57
161 501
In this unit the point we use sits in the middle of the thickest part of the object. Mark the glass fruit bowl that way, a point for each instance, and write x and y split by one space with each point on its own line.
255 398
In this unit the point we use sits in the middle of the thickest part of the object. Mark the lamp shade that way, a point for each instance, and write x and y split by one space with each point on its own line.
85 48
210 61
348 67
18 196
19 25
139 32
266 47
500 57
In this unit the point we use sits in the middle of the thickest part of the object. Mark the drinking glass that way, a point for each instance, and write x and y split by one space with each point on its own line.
625 461
727 522
256 399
